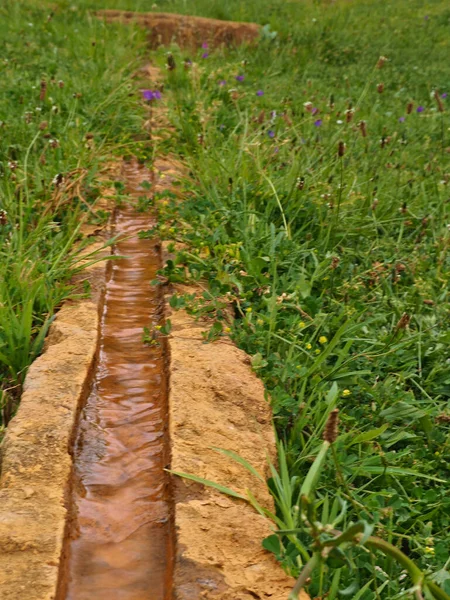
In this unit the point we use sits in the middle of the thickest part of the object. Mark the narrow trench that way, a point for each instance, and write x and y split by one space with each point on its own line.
120 545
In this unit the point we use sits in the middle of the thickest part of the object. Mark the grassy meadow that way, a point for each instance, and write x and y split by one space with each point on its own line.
317 207
67 105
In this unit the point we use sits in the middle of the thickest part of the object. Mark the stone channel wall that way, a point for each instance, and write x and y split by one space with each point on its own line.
36 462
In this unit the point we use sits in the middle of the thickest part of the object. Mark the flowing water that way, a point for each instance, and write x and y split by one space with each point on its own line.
120 547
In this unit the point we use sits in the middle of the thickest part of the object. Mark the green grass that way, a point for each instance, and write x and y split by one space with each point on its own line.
87 112
277 11
336 266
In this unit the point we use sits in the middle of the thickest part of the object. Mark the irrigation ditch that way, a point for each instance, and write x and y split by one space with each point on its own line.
88 509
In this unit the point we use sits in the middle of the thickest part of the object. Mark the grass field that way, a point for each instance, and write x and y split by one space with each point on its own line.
318 208
65 108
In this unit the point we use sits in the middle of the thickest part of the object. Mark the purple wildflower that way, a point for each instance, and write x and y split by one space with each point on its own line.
205 55
318 123
147 95
222 83
420 109
444 95
314 111
276 150
204 45
402 119
271 133
150 95
260 93
239 78
273 114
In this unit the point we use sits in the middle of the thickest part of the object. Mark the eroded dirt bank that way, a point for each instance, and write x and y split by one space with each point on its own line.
191 32
216 401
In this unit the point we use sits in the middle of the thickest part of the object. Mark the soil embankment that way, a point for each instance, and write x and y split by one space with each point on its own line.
187 31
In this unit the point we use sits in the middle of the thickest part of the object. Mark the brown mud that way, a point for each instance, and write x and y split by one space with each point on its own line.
187 31
121 538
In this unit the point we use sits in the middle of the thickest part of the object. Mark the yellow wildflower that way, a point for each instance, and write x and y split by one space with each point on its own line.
323 339
346 393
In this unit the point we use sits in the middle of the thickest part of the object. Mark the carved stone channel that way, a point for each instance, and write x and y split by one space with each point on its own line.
121 534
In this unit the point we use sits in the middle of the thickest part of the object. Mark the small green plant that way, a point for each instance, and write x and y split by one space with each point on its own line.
332 549
208 308
152 336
